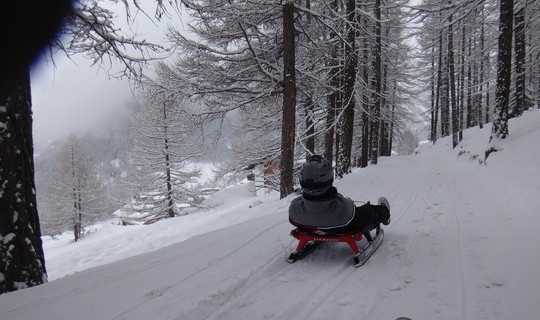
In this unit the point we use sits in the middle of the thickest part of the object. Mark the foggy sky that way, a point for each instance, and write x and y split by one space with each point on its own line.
72 96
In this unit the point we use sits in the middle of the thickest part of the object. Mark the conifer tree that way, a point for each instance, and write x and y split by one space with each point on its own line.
22 263
504 71
76 195
163 139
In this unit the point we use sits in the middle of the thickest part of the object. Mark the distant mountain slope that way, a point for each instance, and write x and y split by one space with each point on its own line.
105 149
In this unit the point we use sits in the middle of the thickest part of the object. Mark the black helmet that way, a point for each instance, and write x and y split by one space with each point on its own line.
316 176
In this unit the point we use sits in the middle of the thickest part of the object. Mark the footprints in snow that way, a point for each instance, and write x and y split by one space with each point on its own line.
399 284
157 292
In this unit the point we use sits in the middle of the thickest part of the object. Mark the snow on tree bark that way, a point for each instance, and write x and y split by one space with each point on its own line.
22 261
289 102
520 103
343 163
377 86
504 71
451 72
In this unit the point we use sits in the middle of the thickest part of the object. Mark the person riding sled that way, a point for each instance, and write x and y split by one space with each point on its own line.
322 210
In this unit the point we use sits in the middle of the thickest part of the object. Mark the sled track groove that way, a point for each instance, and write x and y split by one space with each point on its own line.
324 296
415 195
237 285
252 285
463 277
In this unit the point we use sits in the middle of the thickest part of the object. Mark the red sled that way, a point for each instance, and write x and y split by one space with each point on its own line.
308 242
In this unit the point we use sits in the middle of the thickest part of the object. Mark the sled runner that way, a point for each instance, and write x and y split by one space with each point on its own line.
309 241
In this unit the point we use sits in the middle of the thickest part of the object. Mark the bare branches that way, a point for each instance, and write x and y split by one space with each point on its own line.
91 31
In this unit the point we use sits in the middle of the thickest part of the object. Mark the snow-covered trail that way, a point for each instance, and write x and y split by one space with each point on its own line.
435 261
240 271
460 241
461 245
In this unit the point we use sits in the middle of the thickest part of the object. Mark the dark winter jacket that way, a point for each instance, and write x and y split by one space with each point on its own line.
328 211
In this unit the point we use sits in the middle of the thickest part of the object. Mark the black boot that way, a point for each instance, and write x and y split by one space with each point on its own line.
384 212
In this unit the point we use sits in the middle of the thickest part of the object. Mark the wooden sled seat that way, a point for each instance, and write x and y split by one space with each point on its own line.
304 237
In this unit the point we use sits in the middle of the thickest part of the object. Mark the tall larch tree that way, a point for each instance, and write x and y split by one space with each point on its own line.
504 72
343 163
163 139
22 263
377 86
77 196
289 102
520 53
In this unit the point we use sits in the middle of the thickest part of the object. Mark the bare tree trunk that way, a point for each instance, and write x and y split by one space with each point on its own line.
169 197
482 70
309 106
343 165
330 130
289 102
463 86
538 83
78 210
488 96
434 99
386 115
310 128
504 70
21 253
76 224
520 56
391 133
469 117
333 96
375 129
365 103
445 99
365 117
442 89
475 93
451 71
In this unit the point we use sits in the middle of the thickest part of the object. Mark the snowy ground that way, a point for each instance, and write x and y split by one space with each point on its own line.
462 245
